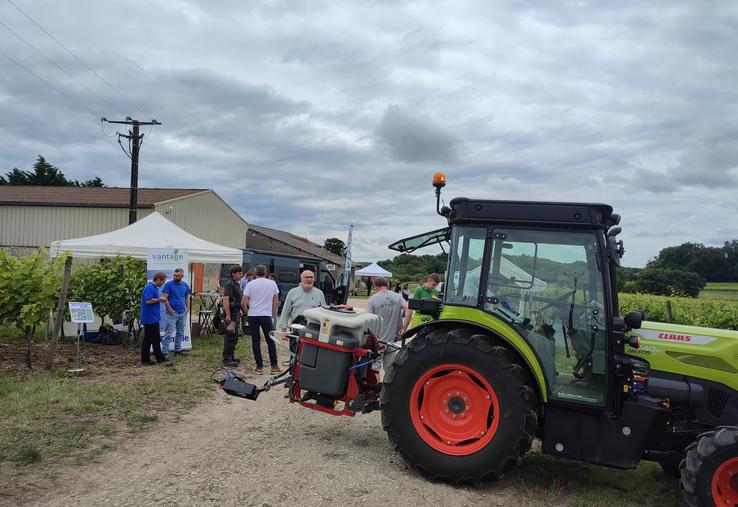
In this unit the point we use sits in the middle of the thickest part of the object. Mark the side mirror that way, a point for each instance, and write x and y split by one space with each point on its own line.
634 319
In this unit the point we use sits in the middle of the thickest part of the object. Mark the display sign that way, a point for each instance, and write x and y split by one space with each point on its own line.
167 260
81 313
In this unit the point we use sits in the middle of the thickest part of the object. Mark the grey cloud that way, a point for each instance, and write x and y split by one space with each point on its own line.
412 137
282 108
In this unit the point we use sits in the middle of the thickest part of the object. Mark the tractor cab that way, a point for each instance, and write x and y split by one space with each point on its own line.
542 269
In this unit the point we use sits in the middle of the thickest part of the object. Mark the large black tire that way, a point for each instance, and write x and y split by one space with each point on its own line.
712 456
484 363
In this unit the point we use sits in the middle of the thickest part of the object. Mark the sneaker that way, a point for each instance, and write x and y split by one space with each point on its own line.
146 363
237 360
259 369
276 369
180 352
229 362
166 363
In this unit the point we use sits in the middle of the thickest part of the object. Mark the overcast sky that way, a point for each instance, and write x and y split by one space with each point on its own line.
310 116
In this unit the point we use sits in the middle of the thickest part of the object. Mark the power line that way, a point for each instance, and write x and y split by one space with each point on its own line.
50 85
59 67
77 58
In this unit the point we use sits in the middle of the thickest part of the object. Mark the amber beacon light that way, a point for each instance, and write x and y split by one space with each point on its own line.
439 181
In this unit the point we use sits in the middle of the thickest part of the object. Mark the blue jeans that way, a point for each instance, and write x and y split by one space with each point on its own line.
257 324
174 326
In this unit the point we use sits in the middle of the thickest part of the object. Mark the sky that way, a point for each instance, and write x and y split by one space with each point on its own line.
311 116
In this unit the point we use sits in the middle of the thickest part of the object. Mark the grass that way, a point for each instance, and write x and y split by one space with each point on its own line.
558 481
49 415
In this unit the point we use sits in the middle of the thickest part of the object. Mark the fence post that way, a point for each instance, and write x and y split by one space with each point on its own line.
59 314
669 314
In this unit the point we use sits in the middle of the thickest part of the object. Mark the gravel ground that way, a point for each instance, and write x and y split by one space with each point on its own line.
230 451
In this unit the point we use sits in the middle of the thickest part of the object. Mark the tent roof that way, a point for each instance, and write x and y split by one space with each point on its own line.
373 269
152 231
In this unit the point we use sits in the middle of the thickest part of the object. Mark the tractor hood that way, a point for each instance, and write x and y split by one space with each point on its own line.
699 352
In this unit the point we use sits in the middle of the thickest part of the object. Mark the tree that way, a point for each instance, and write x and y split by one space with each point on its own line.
669 282
414 268
335 245
709 262
45 174
626 278
112 286
29 287
94 182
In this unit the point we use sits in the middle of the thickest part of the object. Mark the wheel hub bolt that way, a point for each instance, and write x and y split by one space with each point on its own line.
448 442
482 432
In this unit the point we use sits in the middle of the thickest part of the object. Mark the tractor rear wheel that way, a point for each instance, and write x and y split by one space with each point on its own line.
458 408
710 469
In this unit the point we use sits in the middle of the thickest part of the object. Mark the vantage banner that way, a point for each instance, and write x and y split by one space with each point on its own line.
167 260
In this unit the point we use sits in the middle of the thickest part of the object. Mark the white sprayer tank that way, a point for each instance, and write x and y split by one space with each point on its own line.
338 322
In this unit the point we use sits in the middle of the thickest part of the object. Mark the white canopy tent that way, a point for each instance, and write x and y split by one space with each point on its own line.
373 269
135 240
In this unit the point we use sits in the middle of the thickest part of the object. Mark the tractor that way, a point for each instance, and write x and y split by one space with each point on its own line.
528 342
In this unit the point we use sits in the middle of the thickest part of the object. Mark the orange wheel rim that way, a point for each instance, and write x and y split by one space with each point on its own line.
725 483
454 409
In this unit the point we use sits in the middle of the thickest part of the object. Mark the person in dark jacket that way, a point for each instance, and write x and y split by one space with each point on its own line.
327 288
232 307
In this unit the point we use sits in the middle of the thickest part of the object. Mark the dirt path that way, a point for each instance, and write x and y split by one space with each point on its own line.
266 453
229 451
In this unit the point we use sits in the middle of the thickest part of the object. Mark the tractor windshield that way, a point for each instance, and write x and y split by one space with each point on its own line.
548 286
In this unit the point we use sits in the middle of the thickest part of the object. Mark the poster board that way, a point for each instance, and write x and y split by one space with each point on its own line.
167 260
81 313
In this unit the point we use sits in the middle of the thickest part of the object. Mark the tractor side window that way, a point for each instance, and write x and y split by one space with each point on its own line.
548 285
465 267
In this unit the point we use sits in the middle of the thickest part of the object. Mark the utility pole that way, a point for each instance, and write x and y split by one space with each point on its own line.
134 139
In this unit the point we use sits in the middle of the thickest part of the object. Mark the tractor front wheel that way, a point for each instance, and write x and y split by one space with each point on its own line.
458 408
710 469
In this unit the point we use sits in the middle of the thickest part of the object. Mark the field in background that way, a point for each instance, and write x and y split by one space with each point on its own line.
717 290
706 312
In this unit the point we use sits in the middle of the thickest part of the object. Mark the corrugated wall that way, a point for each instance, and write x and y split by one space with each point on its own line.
206 216
37 226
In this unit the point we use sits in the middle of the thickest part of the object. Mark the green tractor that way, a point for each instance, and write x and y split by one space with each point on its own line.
527 342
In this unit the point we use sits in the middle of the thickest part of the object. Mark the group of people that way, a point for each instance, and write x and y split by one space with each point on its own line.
173 300
259 301
257 297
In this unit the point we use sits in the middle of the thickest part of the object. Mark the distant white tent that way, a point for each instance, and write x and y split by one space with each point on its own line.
135 240
373 269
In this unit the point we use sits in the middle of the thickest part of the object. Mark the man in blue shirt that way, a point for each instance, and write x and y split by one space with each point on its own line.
178 308
150 317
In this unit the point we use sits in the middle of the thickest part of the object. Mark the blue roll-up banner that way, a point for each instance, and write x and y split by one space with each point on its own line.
167 260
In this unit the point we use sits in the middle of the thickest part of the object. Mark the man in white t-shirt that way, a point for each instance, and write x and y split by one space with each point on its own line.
262 298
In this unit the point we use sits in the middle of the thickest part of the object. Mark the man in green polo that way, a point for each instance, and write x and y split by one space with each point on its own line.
425 291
